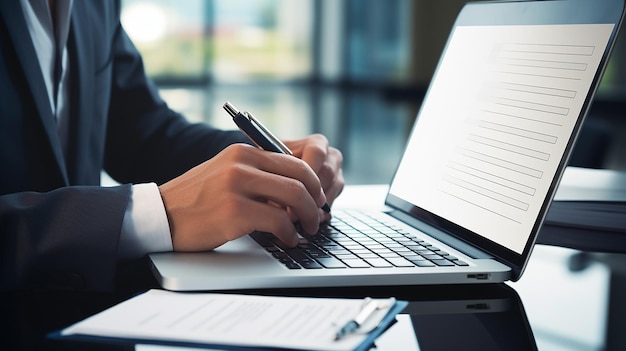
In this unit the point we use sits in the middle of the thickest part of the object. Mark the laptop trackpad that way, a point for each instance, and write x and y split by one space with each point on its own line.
232 258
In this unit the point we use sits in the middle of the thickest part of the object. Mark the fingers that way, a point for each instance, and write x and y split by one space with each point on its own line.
312 150
279 179
331 175
231 220
325 161
271 219
240 190
283 192
244 189
285 177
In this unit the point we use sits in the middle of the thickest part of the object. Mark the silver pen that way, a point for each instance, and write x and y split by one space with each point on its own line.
369 307
259 135
256 131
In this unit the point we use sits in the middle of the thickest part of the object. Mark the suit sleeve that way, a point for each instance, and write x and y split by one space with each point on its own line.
61 239
147 141
67 237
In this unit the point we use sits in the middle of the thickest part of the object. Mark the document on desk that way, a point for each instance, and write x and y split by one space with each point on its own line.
237 321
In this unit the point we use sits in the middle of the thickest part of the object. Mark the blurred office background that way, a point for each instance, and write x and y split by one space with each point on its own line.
354 70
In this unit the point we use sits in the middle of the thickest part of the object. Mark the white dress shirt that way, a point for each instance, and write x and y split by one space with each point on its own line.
145 228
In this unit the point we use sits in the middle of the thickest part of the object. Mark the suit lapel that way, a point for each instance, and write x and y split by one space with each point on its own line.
12 14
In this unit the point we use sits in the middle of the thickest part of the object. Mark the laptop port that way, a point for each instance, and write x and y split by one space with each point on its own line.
479 276
479 306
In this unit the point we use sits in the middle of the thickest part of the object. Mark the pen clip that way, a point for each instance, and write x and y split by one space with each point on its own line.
368 308
258 127
363 317
269 134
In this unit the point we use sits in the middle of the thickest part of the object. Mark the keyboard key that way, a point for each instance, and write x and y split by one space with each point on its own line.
280 255
280 244
431 256
296 254
460 263
378 262
383 251
388 255
368 255
360 251
443 263
292 265
378 236
316 253
403 240
399 262
413 257
344 241
424 263
338 250
304 260
263 239
310 264
346 256
285 260
356 263
330 262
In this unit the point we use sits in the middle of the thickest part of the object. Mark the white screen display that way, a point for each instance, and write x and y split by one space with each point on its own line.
496 122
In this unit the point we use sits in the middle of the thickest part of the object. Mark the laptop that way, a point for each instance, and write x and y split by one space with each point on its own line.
481 165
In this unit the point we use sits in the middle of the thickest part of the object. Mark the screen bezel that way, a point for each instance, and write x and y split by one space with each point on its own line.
503 13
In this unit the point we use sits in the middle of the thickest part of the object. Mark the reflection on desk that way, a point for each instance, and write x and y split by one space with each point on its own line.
481 317
444 318
560 309
495 320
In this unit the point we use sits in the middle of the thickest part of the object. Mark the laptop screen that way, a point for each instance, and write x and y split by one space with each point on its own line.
495 128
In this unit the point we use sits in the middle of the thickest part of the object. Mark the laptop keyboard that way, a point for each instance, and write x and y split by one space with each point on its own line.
353 239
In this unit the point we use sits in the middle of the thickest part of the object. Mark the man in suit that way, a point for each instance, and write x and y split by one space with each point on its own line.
74 100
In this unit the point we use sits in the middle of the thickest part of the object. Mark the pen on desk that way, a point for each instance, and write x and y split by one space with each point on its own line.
259 135
367 310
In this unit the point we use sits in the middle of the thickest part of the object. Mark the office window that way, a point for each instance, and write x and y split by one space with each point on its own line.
225 40
170 34
345 68
261 40
378 40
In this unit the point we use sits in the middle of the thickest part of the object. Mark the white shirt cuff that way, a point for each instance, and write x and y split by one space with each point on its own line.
145 228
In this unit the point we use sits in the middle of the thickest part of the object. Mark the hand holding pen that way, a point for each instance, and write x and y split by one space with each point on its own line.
260 135
242 189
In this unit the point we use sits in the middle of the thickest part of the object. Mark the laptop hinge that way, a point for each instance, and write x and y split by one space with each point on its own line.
446 238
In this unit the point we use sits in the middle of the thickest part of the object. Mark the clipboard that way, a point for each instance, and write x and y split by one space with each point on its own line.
233 322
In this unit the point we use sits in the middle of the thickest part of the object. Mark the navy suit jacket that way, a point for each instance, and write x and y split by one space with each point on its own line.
58 227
